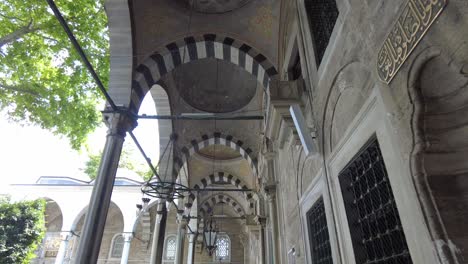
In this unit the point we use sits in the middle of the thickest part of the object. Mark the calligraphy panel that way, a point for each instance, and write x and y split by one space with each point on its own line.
416 18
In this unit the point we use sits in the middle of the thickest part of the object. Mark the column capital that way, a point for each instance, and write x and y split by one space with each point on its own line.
270 189
118 123
161 206
260 220
182 219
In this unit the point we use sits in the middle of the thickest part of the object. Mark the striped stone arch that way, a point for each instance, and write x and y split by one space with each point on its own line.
194 48
221 177
208 204
207 141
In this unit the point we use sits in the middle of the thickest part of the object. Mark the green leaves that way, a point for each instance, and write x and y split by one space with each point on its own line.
21 230
127 161
42 80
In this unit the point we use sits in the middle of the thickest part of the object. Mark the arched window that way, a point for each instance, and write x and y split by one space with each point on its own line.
117 246
170 248
223 249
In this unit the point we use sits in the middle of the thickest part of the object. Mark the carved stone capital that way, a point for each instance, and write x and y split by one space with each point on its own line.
181 219
260 220
118 124
270 190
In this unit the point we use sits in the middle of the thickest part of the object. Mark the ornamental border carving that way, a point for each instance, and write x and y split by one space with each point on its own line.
412 24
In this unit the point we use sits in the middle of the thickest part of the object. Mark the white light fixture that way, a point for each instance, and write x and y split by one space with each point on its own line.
302 129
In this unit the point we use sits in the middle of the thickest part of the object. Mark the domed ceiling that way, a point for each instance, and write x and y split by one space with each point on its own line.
219 152
214 86
216 6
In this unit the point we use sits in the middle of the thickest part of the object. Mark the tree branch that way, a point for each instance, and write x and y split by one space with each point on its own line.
19 89
15 35
45 37
11 17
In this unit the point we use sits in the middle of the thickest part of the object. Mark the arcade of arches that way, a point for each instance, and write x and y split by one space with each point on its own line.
357 152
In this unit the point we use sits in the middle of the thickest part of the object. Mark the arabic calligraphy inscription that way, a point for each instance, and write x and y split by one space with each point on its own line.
410 28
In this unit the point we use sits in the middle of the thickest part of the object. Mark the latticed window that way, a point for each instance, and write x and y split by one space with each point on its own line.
322 18
223 246
318 234
170 251
376 231
117 246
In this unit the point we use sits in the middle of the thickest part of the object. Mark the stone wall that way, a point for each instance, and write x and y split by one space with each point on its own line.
424 105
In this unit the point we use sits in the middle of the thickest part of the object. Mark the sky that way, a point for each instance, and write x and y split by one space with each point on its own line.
28 152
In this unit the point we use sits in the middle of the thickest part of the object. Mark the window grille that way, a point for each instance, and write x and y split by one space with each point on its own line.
318 234
376 231
170 251
322 18
223 248
117 246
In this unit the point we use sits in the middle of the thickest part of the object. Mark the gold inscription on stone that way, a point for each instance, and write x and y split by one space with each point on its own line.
410 28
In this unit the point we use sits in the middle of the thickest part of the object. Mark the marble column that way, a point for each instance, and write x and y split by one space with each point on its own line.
244 239
157 246
191 248
66 236
181 230
90 243
126 249
270 191
261 222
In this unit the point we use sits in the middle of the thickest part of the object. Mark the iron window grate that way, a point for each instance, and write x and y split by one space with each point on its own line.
318 234
322 18
376 231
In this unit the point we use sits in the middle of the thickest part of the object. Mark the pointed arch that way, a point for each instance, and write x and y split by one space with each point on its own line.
209 203
217 139
194 48
226 178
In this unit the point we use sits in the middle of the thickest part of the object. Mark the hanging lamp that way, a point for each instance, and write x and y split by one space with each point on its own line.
210 235
165 186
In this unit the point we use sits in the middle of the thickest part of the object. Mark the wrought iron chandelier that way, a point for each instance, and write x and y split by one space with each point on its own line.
165 186
210 235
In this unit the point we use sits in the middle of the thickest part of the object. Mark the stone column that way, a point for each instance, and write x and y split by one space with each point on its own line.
181 230
157 247
270 191
66 236
191 248
93 228
126 249
244 239
261 222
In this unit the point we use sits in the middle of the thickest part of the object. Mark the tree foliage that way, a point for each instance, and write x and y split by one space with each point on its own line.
21 230
126 162
42 80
